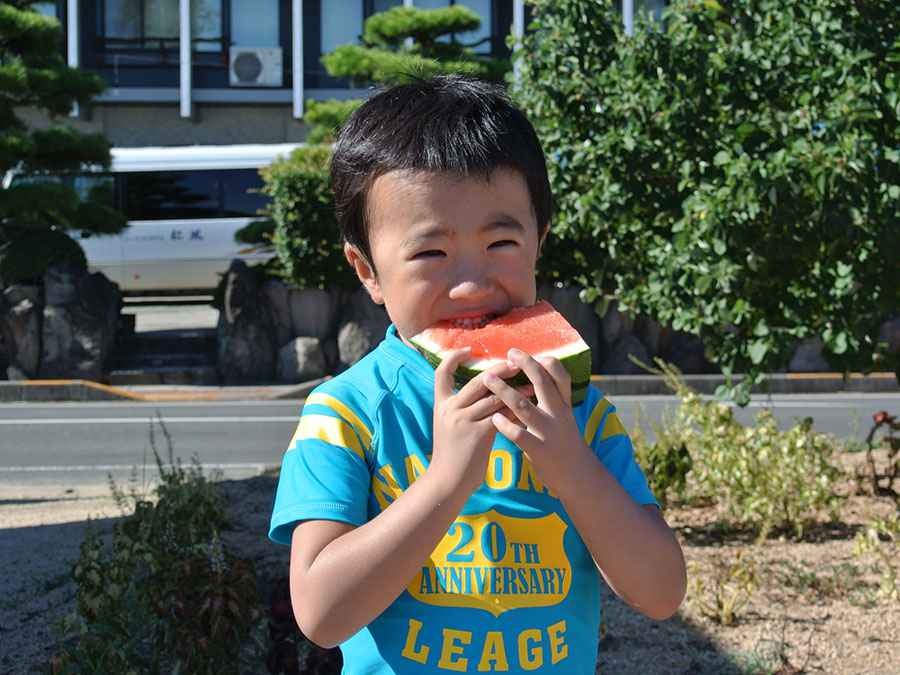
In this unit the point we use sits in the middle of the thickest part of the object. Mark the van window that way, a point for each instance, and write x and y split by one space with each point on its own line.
170 195
240 191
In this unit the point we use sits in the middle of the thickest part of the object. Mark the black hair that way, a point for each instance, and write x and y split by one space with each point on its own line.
445 124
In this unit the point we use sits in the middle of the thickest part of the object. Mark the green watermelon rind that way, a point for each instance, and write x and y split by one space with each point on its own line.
578 366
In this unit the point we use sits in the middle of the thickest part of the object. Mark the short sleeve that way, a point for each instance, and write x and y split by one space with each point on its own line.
325 472
606 436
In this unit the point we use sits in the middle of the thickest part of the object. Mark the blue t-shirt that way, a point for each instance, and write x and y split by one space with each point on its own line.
511 587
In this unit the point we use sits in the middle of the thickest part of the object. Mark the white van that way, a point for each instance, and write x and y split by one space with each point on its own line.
184 205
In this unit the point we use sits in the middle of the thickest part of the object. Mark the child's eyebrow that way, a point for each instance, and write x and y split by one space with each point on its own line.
496 221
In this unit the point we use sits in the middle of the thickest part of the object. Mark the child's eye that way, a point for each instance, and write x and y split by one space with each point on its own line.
504 242
431 253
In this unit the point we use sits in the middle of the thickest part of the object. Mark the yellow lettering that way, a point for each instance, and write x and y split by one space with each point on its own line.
452 648
528 479
504 458
386 490
414 468
558 647
494 650
410 650
531 658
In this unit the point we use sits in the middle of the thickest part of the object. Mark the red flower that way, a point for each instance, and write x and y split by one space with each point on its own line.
880 417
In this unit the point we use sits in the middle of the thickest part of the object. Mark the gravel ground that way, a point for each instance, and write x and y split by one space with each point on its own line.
813 611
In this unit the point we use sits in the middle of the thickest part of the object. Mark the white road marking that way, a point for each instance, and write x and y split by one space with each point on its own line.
38 421
128 467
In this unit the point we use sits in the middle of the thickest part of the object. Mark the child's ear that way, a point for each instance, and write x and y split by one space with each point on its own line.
542 239
364 271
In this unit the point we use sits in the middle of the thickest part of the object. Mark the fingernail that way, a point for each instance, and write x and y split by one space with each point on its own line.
514 353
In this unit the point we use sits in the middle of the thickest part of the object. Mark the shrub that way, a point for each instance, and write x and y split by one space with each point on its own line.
733 172
721 589
165 596
762 476
881 539
306 234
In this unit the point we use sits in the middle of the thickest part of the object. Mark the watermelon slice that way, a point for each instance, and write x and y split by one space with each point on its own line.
538 330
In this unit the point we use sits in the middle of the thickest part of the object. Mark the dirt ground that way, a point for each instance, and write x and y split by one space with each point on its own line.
814 610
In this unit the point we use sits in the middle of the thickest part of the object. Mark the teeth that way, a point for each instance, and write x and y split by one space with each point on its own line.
469 323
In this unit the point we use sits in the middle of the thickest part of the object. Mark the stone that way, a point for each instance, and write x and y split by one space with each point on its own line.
362 327
582 317
615 324
314 312
616 361
301 360
354 342
650 333
245 333
80 321
807 358
277 295
21 309
686 352
890 333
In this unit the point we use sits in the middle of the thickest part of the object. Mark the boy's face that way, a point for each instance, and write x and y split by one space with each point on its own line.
449 248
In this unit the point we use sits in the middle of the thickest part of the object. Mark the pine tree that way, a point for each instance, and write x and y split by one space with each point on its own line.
36 214
398 44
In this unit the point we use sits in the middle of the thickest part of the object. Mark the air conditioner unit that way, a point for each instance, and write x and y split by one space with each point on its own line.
255 67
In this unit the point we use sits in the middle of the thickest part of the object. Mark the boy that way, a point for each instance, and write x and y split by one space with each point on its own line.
434 530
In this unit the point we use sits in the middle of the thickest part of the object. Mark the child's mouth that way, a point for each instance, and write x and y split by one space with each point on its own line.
470 322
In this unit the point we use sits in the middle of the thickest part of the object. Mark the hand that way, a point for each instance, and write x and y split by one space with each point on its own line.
547 432
463 430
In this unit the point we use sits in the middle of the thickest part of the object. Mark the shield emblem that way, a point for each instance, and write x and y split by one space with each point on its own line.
494 562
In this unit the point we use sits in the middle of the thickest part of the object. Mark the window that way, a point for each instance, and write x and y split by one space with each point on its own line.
46 8
153 24
240 191
180 195
342 23
169 195
254 23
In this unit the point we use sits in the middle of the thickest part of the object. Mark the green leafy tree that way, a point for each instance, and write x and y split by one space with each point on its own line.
35 215
733 171
398 44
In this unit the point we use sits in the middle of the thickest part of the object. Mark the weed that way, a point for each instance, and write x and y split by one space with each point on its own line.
723 588
881 540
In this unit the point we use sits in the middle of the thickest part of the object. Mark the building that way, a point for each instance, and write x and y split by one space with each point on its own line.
250 66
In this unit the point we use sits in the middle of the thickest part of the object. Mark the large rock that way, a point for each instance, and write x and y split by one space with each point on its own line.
20 324
890 333
80 319
615 324
362 326
583 317
314 312
301 360
277 295
808 358
686 352
246 332
617 361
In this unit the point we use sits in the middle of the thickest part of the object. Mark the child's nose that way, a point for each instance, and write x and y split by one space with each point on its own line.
474 284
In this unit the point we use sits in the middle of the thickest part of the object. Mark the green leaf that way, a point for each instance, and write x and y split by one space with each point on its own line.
757 351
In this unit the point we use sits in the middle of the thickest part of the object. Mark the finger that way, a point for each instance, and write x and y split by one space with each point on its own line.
485 407
443 374
474 389
545 388
560 376
519 404
514 432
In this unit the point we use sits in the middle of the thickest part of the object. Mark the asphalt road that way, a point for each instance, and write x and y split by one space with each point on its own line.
49 449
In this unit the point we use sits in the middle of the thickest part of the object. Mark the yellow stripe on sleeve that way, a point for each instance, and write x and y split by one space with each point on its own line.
590 430
613 427
341 409
329 429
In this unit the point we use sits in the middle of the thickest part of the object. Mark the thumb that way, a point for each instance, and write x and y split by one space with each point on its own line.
443 374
